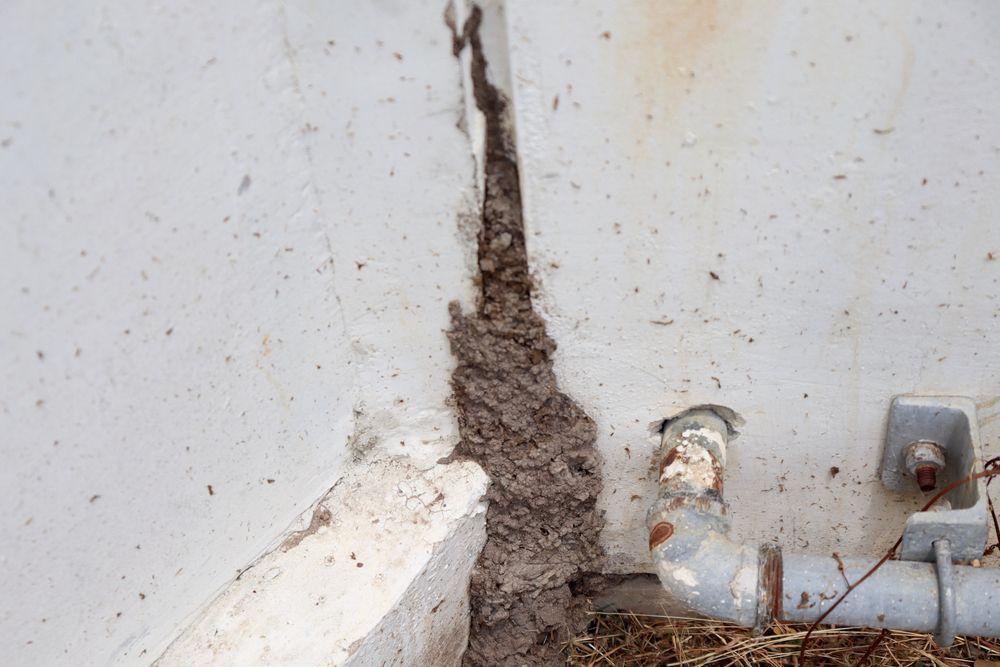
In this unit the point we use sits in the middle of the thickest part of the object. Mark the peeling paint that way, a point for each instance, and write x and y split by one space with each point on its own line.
743 585
692 465
694 435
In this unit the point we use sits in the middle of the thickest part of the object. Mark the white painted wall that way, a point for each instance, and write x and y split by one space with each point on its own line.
835 164
227 246
230 233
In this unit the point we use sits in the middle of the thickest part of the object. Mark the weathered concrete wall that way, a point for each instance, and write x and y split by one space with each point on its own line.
784 208
231 234
228 244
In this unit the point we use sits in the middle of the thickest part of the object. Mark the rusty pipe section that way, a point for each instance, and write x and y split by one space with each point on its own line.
700 566
689 541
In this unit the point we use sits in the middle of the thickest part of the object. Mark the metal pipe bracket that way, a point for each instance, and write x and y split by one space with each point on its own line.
945 569
950 422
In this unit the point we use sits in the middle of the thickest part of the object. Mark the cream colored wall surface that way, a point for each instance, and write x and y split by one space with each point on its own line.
785 208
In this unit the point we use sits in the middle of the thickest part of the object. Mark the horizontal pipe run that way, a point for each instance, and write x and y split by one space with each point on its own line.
900 595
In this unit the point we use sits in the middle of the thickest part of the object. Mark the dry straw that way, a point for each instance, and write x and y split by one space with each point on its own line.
623 639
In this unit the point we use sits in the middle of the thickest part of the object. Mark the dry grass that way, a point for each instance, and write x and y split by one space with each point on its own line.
622 639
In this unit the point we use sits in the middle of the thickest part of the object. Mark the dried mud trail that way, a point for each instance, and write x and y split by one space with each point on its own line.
536 444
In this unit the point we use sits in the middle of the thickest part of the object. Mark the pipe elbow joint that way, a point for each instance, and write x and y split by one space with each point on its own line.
702 568
697 562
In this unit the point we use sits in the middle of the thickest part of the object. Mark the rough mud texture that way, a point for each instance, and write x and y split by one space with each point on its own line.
536 444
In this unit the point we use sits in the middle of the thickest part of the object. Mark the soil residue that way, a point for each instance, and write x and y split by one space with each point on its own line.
536 444
321 517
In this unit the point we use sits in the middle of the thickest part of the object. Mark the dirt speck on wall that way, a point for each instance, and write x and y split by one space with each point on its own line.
536 444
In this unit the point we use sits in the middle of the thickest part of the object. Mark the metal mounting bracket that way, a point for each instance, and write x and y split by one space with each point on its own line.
949 421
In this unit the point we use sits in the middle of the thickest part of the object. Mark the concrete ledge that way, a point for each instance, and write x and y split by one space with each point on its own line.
379 575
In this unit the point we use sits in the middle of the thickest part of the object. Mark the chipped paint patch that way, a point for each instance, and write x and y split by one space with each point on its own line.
685 576
743 585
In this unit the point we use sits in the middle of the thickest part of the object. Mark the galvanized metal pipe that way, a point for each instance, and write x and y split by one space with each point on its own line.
701 566
689 524
947 613
901 595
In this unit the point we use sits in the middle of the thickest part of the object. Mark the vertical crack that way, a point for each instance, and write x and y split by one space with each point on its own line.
535 443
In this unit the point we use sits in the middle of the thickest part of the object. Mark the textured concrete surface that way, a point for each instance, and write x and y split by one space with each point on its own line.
356 587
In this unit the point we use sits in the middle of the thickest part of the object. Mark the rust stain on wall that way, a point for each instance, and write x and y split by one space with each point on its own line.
677 32
672 58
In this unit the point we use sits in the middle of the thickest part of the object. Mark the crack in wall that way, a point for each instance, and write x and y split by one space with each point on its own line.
535 443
